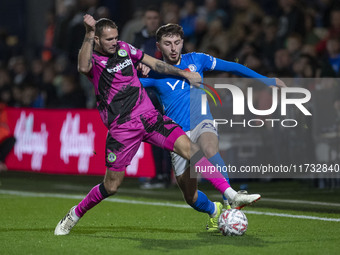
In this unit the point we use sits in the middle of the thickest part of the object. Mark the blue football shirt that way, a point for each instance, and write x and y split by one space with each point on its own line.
182 102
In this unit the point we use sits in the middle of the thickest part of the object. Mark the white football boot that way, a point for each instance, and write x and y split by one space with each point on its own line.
243 199
66 224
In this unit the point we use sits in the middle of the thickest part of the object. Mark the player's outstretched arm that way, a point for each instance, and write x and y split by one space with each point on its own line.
85 53
162 67
243 71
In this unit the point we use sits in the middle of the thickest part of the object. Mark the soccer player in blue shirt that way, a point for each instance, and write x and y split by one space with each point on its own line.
182 103
131 118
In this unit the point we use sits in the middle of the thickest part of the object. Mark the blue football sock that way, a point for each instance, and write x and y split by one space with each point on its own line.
217 160
203 204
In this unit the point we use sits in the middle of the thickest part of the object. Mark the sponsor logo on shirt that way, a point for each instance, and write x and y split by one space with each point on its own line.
120 66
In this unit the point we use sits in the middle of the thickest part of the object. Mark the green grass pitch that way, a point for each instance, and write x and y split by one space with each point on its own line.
143 227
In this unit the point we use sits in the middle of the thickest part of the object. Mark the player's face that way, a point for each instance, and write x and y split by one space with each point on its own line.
171 48
107 42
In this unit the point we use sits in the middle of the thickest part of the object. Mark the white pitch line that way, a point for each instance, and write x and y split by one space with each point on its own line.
292 201
58 195
293 216
127 201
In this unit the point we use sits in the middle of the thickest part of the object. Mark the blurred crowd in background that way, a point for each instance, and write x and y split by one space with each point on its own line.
283 38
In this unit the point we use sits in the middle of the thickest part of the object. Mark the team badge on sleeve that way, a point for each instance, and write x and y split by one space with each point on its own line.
133 50
111 157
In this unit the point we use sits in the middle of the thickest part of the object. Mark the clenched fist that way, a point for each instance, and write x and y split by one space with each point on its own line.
89 23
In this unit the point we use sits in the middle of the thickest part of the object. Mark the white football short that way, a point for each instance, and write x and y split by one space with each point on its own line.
180 164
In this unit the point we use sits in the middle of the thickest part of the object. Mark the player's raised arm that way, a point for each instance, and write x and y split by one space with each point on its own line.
85 53
162 67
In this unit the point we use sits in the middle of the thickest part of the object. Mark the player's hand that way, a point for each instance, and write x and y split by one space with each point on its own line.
280 83
89 23
194 78
144 69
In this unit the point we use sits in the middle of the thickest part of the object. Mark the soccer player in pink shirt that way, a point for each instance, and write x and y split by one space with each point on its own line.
130 117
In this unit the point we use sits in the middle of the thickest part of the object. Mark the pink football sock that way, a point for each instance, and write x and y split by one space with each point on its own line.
216 178
93 198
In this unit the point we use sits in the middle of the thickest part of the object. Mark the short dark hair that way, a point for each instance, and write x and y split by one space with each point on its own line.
169 30
103 23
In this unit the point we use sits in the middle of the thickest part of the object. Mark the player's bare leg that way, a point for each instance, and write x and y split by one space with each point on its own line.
184 147
208 142
113 180
188 187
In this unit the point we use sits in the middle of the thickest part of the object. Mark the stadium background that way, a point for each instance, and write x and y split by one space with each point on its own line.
39 42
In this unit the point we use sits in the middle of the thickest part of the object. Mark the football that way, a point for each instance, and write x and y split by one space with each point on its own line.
232 223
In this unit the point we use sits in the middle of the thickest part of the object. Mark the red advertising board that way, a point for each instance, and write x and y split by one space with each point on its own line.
66 142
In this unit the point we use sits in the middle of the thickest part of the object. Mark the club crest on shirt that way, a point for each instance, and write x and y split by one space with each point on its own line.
122 53
192 68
